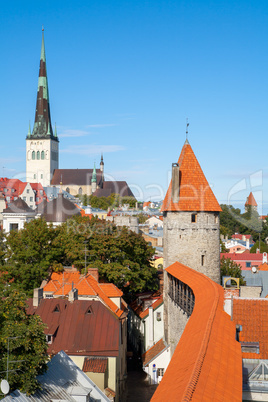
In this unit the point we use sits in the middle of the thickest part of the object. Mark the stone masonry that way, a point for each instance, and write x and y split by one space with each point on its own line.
194 244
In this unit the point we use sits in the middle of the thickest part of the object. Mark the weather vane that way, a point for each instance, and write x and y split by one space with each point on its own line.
187 125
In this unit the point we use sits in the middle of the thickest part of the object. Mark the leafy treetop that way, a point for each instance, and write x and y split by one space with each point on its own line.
23 335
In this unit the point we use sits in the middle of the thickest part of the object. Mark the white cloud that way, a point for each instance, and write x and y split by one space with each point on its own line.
92 149
73 133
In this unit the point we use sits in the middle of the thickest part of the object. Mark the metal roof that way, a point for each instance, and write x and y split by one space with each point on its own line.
63 381
85 327
259 278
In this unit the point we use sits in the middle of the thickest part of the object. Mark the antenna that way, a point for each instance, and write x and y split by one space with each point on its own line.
187 125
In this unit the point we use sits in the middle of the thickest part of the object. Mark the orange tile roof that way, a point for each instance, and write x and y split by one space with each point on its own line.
60 284
95 285
195 193
207 362
151 353
111 290
95 365
263 267
251 200
252 314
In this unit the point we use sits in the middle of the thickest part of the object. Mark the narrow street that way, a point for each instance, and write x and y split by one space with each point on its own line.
137 388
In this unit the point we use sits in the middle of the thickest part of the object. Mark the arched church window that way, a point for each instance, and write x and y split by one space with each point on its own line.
67 190
33 155
42 155
80 191
38 155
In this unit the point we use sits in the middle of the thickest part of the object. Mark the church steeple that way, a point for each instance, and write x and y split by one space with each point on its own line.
42 146
94 180
94 175
42 123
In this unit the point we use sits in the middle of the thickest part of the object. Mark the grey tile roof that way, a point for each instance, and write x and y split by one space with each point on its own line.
79 177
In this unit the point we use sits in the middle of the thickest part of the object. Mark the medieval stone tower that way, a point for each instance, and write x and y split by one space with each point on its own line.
42 146
191 218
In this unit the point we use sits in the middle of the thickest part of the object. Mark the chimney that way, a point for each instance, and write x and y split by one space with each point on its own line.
258 251
37 296
247 244
94 272
175 182
264 258
151 326
73 295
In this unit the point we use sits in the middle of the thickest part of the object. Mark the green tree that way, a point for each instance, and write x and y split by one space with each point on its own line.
2 247
122 256
142 218
31 254
231 268
263 249
24 335
232 221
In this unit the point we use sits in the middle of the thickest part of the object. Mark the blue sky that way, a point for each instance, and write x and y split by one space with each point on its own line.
124 76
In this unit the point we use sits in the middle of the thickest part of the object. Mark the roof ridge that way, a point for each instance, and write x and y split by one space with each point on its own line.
104 297
187 396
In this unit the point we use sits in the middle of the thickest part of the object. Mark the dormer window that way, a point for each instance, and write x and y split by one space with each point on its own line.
56 309
89 310
49 338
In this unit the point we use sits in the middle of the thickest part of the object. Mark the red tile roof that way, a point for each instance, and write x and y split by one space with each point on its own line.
154 351
251 201
195 193
85 327
207 362
60 284
13 188
95 365
239 236
252 314
243 256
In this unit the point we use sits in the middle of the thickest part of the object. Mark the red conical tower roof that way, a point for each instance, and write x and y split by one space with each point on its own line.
195 193
251 201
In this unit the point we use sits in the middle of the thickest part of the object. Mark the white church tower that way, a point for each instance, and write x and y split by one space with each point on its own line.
42 146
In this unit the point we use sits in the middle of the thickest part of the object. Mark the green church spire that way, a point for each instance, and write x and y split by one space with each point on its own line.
42 123
94 175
